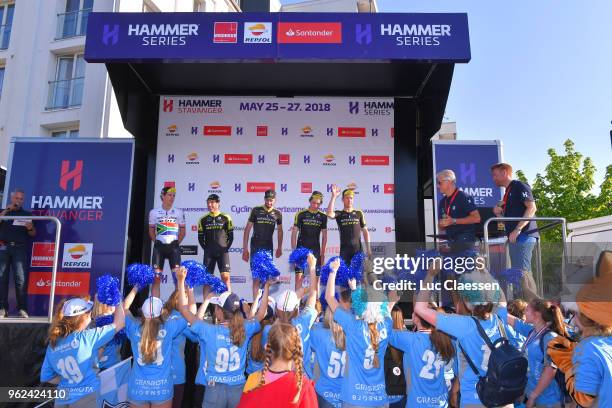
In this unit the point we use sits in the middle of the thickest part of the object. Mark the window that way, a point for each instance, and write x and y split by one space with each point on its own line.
73 22
66 90
6 21
70 133
1 80
149 7
199 6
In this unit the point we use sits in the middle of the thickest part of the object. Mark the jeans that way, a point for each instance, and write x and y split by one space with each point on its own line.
521 251
222 395
13 257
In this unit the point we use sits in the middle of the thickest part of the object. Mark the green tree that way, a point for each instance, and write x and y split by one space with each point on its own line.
565 189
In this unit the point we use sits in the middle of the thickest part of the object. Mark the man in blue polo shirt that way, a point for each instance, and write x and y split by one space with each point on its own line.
13 252
457 213
518 201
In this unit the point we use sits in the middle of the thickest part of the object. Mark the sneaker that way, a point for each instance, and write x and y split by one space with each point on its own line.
2 313
22 314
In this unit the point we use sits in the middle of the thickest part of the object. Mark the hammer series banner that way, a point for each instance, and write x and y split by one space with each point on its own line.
86 184
190 37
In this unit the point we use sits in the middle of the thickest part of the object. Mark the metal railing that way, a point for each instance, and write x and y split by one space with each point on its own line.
539 280
72 24
58 230
5 36
66 93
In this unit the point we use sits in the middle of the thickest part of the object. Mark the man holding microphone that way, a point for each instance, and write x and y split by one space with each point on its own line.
13 254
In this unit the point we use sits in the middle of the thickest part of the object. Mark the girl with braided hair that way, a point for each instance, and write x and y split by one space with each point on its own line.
282 382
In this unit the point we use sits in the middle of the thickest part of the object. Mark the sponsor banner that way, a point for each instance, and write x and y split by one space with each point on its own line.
302 153
137 37
189 249
85 183
471 161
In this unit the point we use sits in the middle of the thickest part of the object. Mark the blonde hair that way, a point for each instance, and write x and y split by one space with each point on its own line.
374 340
173 302
286 317
336 330
516 307
284 343
235 323
62 326
592 328
149 331
100 309
502 166
258 349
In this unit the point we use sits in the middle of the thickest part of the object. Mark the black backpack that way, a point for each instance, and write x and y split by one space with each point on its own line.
395 381
506 377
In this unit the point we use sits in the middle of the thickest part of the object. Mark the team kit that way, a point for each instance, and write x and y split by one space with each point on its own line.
324 344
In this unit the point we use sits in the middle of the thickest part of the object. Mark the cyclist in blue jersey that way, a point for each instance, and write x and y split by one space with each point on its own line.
226 343
426 352
287 311
480 305
72 350
328 343
366 344
151 337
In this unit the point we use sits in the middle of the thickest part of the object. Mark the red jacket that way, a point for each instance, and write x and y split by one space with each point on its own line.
280 393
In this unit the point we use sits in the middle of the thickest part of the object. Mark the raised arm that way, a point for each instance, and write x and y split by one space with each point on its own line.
180 286
330 289
421 306
119 317
207 294
129 299
313 290
263 306
332 202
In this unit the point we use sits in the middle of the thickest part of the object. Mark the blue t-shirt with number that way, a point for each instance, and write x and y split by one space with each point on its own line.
253 365
331 362
152 381
537 360
73 359
225 361
303 323
426 385
464 329
592 360
364 384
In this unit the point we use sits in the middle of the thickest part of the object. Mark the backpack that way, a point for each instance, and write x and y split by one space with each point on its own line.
559 375
506 377
395 381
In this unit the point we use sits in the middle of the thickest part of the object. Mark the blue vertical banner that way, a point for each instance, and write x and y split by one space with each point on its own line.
86 184
471 160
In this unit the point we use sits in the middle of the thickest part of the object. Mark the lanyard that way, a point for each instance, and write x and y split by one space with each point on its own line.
451 202
505 199
533 335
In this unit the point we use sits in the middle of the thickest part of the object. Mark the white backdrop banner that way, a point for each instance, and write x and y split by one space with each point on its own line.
238 147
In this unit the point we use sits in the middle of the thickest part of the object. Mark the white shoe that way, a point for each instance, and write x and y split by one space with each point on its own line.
2 313
22 314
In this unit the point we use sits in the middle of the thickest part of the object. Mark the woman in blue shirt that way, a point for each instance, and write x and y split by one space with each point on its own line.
427 352
366 344
72 351
226 343
464 329
543 322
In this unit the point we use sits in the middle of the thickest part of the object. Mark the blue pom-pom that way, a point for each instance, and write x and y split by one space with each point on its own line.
108 290
215 283
196 273
342 276
262 266
140 275
104 320
299 257
356 267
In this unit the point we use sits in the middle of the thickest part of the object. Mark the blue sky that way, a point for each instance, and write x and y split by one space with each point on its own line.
541 72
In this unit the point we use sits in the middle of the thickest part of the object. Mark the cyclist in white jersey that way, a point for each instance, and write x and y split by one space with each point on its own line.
166 230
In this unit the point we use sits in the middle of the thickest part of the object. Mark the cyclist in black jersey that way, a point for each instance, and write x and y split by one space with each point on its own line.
351 225
263 220
215 235
310 231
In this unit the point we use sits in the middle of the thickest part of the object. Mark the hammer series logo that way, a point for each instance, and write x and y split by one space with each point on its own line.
163 34
416 34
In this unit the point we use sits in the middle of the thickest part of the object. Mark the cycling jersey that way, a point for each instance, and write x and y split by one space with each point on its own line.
264 222
310 224
167 224
215 232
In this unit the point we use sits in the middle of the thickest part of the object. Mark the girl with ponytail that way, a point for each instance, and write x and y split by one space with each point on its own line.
151 337
543 322
366 344
222 369
282 382
73 348
426 353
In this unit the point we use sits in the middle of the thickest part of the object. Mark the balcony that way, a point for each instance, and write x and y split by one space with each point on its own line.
72 24
5 36
65 94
